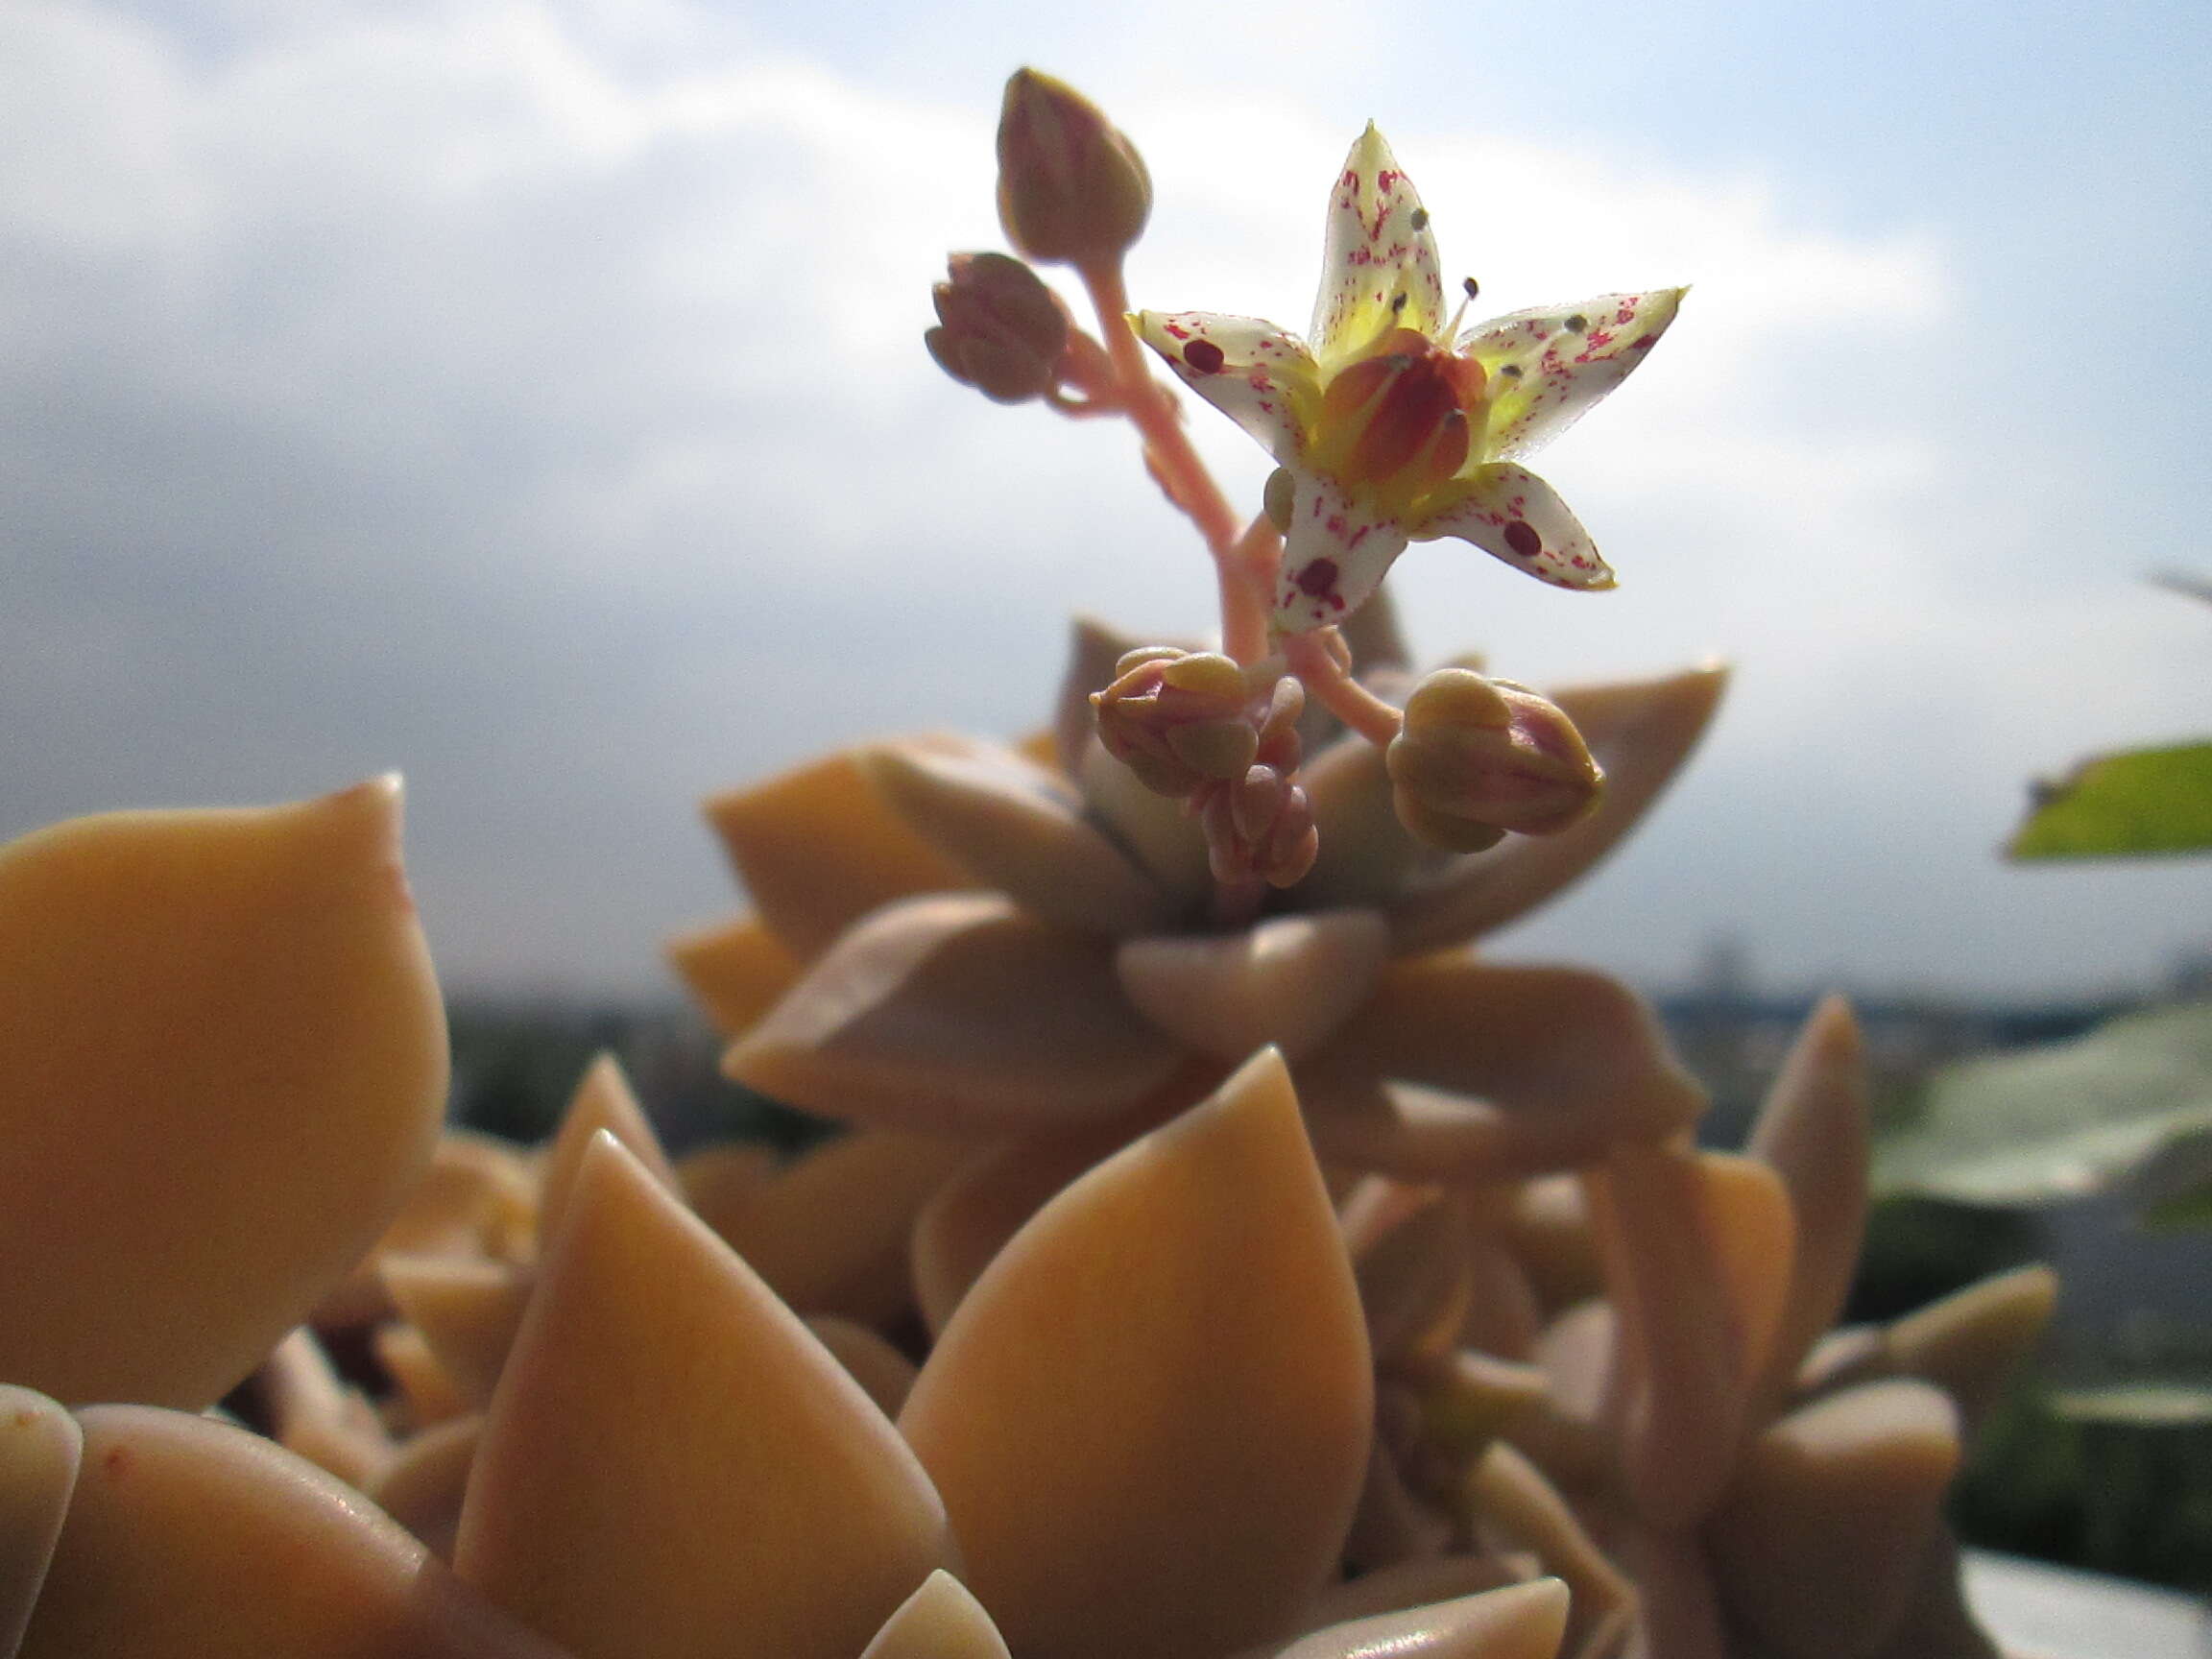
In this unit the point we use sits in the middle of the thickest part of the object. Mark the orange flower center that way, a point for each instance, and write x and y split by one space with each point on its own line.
1401 420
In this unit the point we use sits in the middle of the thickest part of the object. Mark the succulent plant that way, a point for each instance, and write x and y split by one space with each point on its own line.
1227 1262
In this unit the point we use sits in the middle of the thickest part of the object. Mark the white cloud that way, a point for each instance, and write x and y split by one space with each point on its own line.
529 392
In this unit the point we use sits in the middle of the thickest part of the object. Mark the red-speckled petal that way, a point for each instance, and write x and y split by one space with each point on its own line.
1547 366
1259 375
1334 554
1378 249
1513 515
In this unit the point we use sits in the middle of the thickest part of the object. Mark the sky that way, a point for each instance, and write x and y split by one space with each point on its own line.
528 395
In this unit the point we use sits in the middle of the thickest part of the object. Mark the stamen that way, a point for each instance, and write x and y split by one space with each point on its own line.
1469 287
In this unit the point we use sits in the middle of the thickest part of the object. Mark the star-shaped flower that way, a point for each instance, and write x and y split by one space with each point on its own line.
1388 429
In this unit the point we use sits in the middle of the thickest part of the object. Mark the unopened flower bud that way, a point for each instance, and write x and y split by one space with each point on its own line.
1178 718
1478 758
1260 825
1071 190
999 328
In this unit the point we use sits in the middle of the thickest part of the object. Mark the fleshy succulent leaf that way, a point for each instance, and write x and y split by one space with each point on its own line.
167 1550
960 1015
1150 1415
185 991
1289 981
1019 830
818 847
656 1376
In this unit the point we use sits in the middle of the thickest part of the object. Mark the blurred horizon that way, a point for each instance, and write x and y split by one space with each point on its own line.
529 395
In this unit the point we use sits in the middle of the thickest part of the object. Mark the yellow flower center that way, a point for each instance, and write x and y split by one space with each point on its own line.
1400 420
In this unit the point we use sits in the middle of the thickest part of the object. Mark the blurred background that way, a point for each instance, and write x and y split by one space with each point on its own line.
528 394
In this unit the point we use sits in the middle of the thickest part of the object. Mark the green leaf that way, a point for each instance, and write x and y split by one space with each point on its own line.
2143 802
2167 1404
2182 1213
2130 1102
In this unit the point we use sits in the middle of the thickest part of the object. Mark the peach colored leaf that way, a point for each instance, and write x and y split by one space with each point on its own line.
1813 1132
423 1483
478 1198
884 1374
1366 855
1019 830
735 970
1408 1585
39 1448
959 1015
1748 1218
1820 1545
829 1231
1511 1496
1969 1344
968 1220
818 847
1681 1382
1288 981
426 1394
1150 1416
1519 1622
673 1465
1416 1281
1166 842
603 1099
190 1539
226 1067
1457 1069
313 1412
940 1621
467 1312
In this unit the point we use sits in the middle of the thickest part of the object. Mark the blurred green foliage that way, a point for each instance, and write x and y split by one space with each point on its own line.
2146 800
2127 1106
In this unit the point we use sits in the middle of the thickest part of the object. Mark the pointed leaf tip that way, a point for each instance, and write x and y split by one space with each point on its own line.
1151 1414
293 925
655 1374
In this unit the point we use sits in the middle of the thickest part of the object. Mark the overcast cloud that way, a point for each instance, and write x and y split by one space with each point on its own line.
529 396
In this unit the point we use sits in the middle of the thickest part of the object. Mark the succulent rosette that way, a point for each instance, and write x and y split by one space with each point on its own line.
962 938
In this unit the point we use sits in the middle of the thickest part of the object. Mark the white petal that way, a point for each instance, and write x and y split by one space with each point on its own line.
1334 555
1260 378
1547 365
1378 248
1509 512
